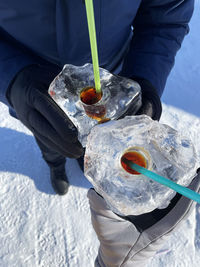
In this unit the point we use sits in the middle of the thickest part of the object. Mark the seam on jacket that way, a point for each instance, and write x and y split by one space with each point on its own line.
126 257
152 241
192 203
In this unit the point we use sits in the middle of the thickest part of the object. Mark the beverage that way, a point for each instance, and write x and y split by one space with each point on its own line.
89 96
137 156
93 106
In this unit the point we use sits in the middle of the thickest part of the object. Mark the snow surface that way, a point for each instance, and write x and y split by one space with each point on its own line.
39 228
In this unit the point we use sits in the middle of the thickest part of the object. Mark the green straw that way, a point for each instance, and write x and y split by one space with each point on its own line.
164 181
93 43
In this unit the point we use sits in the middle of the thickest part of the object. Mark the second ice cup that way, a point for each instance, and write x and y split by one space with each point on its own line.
147 143
118 94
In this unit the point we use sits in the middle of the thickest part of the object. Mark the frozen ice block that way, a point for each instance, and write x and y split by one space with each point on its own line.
118 94
161 149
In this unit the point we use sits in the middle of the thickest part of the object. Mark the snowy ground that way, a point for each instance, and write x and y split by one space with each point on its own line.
39 228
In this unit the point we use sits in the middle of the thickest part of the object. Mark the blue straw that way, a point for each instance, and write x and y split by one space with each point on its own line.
164 181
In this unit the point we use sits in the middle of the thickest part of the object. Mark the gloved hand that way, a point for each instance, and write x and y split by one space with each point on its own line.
151 104
28 95
131 240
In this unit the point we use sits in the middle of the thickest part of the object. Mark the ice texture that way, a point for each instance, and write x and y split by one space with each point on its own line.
66 87
172 155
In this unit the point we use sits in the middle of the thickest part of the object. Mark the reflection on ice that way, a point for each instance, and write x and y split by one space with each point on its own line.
166 152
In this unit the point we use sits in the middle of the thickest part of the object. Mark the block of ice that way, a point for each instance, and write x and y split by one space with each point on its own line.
169 154
118 92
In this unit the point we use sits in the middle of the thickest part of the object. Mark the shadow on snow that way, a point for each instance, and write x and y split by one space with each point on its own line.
19 154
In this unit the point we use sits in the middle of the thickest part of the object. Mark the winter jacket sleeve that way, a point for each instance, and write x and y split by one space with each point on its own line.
13 58
159 29
132 240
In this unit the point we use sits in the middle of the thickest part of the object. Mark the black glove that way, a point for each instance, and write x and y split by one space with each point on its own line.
28 95
151 104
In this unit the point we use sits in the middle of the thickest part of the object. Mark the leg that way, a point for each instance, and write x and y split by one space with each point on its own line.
56 163
52 158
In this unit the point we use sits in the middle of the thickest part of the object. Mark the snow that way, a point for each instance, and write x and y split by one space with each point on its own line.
40 228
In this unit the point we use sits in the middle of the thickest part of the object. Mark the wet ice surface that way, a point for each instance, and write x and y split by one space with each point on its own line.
66 87
173 156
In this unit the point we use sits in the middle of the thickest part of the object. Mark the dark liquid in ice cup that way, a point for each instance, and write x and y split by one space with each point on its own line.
134 157
90 100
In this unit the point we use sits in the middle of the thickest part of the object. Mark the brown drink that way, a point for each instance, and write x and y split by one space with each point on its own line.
138 156
92 104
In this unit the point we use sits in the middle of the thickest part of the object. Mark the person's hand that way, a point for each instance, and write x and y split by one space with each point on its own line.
28 95
132 240
151 104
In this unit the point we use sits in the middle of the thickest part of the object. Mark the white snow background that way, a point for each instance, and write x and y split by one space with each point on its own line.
39 228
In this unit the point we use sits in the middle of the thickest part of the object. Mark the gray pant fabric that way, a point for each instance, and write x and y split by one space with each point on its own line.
122 244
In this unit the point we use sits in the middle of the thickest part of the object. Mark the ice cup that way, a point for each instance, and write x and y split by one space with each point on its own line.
137 155
156 146
118 94
95 104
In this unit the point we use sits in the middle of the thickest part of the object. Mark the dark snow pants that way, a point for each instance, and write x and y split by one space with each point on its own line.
52 158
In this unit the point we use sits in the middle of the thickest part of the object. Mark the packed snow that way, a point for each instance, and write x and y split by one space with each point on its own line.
40 228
